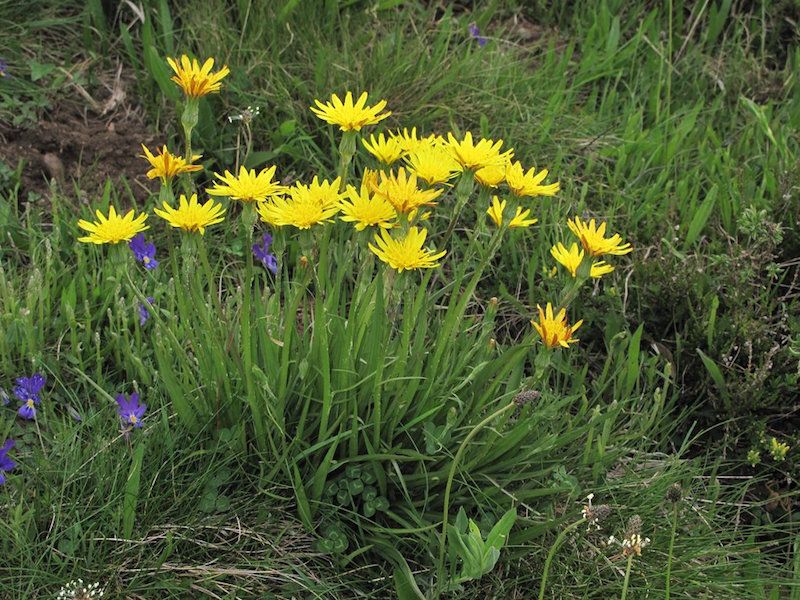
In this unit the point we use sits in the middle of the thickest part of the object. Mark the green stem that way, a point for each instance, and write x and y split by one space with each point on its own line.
671 547
451 475
466 184
347 150
553 549
627 577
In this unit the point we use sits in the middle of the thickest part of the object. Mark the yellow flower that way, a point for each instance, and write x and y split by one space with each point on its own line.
112 229
485 153
593 238
365 210
432 164
520 219
386 150
349 116
194 80
167 165
406 253
302 209
778 450
572 258
401 190
326 193
554 330
528 184
191 215
410 143
248 186
491 176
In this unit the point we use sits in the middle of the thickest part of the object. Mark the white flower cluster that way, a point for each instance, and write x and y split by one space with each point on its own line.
246 116
75 590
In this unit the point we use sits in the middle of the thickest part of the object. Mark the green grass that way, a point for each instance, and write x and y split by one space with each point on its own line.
685 143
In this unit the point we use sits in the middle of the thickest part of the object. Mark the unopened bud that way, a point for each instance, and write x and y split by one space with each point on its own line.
674 493
527 397
492 344
303 262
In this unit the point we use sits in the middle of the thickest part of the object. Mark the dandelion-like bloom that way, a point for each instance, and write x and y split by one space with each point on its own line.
6 464
194 80
472 156
166 165
571 259
528 183
325 193
401 190
248 186
130 410
366 210
491 176
349 116
386 150
262 253
112 229
191 215
407 252
520 219
554 329
302 209
144 312
143 251
410 143
593 238
432 164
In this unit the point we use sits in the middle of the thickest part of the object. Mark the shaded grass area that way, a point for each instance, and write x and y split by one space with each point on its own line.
674 138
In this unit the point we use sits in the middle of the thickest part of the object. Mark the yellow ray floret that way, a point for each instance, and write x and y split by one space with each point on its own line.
409 142
191 215
112 229
432 164
522 183
554 330
520 219
249 186
407 252
401 190
593 238
572 258
347 115
366 210
491 176
194 80
386 150
325 192
301 209
166 165
472 156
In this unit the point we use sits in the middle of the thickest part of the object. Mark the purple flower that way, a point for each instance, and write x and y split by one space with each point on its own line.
3 68
130 411
144 314
6 464
475 32
28 388
263 254
144 251
28 409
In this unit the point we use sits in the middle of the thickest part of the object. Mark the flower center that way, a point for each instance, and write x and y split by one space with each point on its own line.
132 418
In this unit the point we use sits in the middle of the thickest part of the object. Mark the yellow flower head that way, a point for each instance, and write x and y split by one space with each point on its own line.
472 156
520 219
248 186
491 176
410 143
167 165
593 238
191 215
432 164
554 330
572 258
326 193
529 184
406 253
194 80
778 450
349 116
367 210
386 150
112 229
302 209
401 190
